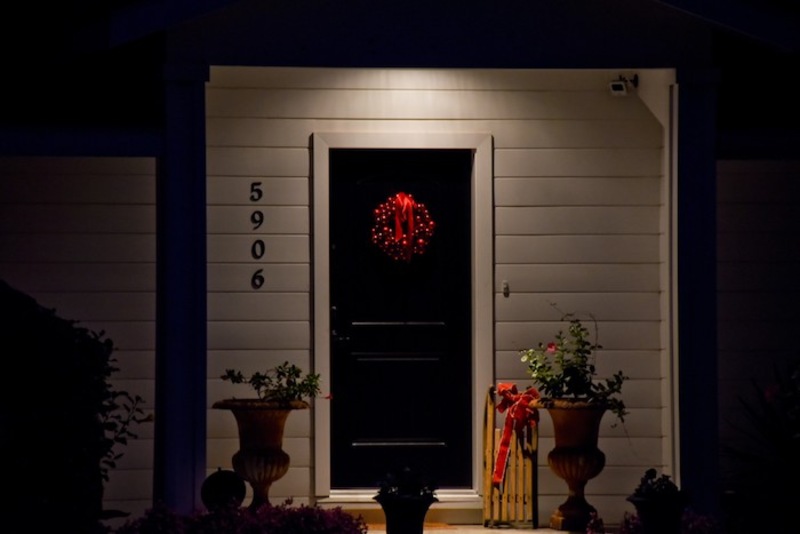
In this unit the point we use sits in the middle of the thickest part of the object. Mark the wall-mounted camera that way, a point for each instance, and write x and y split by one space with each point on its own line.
621 85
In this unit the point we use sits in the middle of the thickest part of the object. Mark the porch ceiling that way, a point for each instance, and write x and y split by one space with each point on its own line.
100 63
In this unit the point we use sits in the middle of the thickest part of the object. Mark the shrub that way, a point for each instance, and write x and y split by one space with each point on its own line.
234 519
60 434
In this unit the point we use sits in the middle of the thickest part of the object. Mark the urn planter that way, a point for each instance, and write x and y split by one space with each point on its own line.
260 459
575 458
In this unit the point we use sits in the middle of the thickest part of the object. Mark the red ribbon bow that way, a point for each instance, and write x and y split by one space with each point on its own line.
404 213
519 417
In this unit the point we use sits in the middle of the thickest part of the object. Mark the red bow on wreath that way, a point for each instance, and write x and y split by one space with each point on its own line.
404 213
520 417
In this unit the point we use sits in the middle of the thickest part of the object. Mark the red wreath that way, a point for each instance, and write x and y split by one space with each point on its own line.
403 227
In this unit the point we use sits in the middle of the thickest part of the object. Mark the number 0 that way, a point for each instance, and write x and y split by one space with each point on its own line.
258 249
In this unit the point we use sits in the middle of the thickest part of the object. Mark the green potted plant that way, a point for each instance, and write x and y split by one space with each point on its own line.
283 385
659 504
261 459
564 373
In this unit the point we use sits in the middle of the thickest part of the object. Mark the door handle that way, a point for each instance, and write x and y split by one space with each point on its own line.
335 335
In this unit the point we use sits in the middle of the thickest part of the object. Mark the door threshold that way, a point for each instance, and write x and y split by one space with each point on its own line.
445 496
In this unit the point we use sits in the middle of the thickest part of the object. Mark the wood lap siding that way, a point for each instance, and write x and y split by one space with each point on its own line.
579 219
254 329
582 227
758 259
78 235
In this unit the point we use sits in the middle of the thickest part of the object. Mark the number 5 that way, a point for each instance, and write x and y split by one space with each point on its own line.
255 192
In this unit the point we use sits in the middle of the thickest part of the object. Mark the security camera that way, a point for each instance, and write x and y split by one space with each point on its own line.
618 88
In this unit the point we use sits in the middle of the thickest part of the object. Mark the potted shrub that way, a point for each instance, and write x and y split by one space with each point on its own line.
564 373
659 504
691 523
261 459
763 451
405 498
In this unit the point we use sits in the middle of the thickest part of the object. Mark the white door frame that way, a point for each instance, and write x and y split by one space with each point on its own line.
482 230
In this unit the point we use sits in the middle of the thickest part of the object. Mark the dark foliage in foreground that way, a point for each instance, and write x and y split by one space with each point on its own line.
234 519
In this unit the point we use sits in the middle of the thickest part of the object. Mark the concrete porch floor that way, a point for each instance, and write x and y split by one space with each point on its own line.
451 515
473 529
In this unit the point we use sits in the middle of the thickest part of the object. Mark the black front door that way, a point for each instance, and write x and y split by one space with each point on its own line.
401 340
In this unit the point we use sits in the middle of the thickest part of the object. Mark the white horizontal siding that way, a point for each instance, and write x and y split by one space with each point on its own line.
258 335
256 162
117 219
588 162
610 306
135 364
578 191
103 306
454 104
258 306
25 186
75 248
638 132
81 276
568 278
578 219
546 220
758 259
409 78
78 235
578 249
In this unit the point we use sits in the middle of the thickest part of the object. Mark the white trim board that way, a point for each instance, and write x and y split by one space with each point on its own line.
482 277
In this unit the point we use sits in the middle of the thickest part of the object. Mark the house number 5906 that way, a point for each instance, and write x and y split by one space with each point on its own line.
257 249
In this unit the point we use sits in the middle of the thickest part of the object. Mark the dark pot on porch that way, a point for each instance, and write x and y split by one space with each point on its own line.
405 514
405 499
659 503
659 515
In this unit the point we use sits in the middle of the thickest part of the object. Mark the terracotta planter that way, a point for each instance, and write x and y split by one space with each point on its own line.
260 459
575 458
